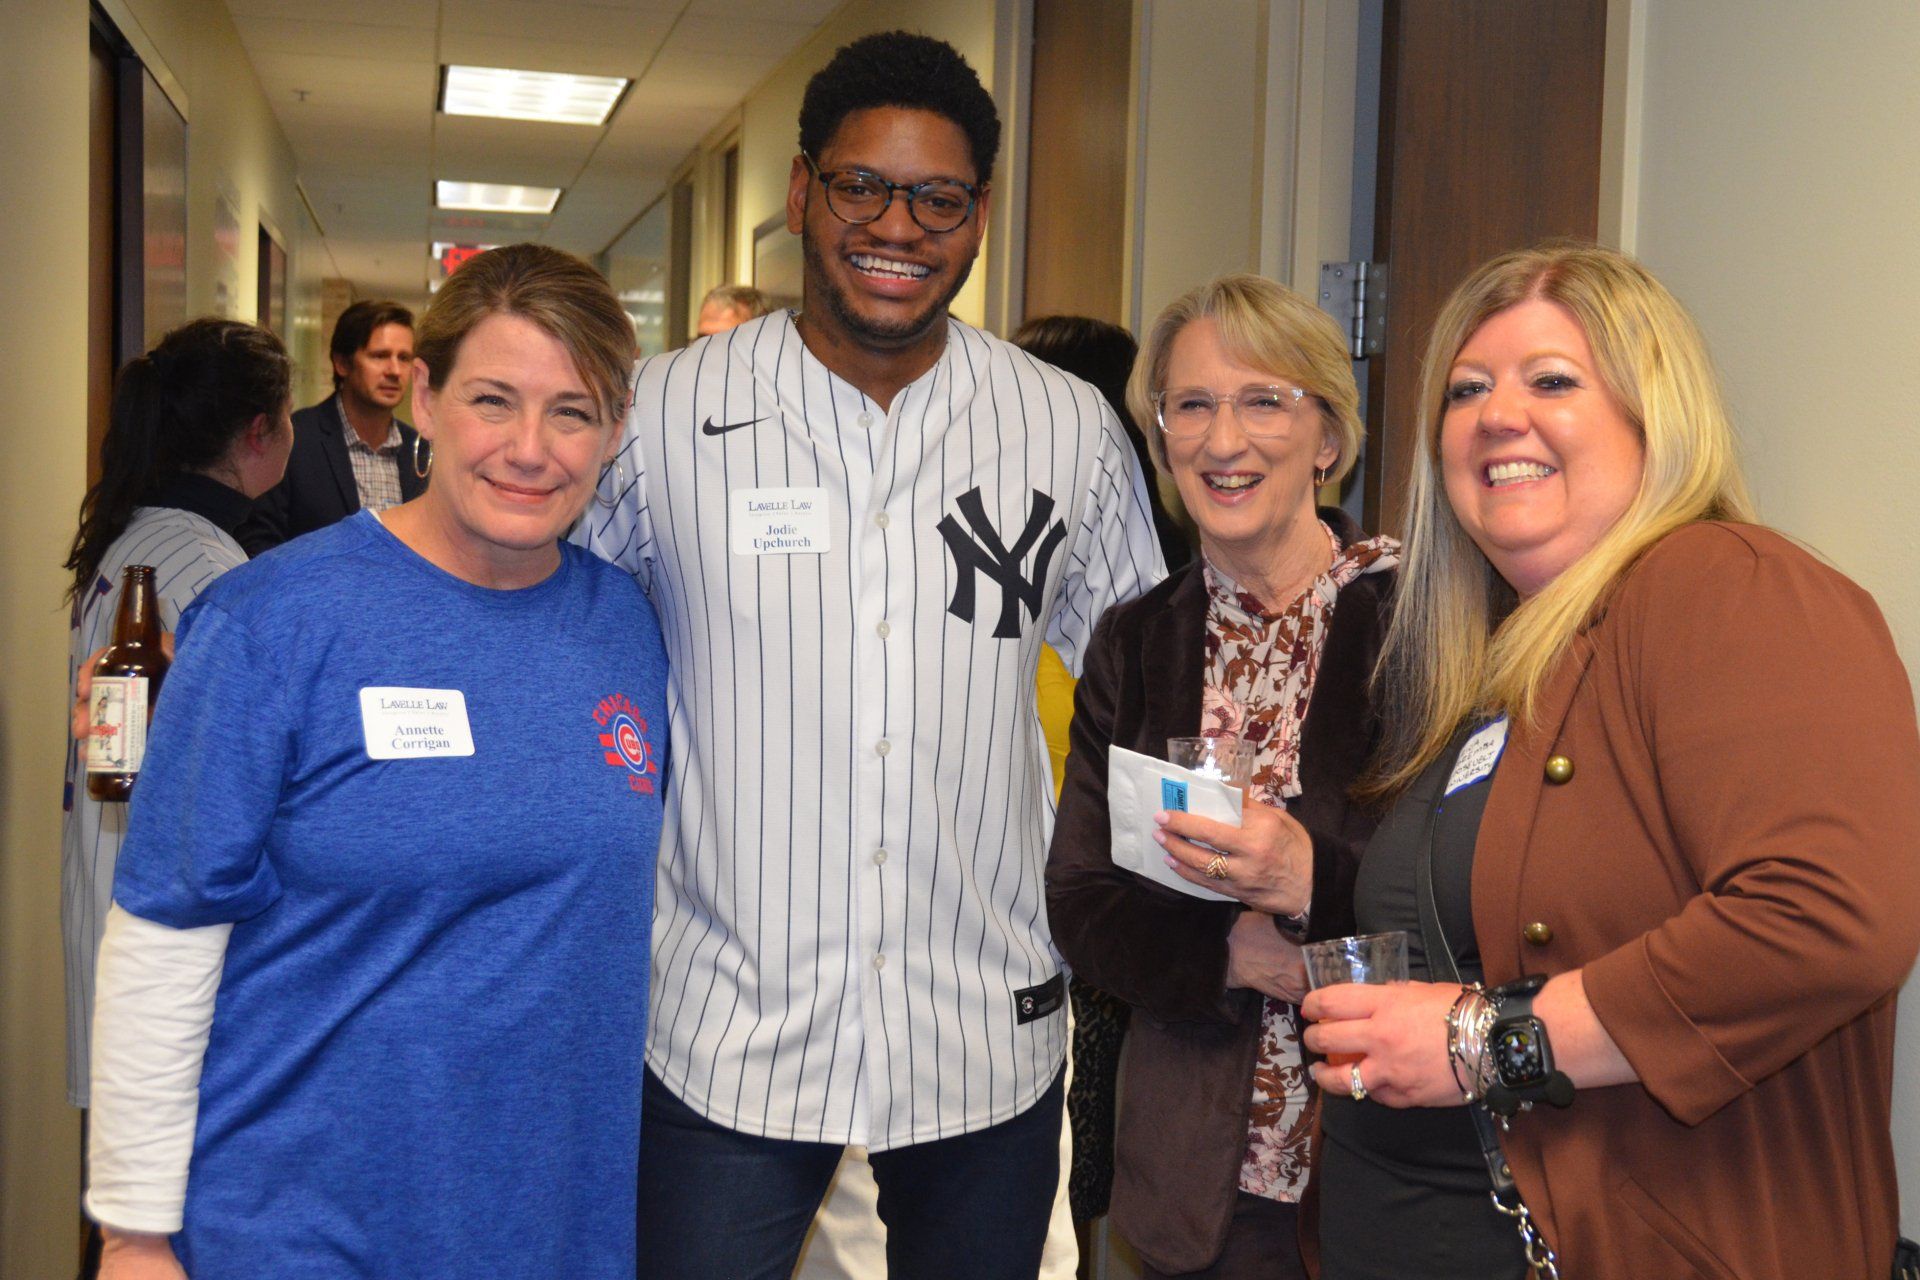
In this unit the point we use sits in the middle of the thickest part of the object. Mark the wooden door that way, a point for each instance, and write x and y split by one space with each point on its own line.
1077 158
1490 114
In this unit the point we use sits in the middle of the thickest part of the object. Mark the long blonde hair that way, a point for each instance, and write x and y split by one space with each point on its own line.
1460 641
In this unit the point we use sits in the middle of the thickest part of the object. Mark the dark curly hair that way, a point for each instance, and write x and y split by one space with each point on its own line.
901 69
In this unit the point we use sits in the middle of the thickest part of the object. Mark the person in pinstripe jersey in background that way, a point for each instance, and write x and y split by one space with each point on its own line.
199 427
858 525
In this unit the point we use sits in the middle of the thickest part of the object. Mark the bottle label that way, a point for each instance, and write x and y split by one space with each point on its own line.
118 740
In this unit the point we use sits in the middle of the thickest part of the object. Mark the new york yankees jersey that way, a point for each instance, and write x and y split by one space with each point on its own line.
187 552
850 942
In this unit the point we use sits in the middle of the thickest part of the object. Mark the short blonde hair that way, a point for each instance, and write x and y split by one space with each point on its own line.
1460 641
556 292
1266 326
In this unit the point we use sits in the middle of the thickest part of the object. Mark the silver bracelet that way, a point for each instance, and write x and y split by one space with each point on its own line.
1468 1022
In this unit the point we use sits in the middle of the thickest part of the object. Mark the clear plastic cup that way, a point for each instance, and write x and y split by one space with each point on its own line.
1370 957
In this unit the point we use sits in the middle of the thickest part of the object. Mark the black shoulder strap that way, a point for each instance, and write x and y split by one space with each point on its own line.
1441 966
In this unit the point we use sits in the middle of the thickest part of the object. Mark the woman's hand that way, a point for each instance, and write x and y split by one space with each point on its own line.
81 718
1398 1033
1269 856
1259 958
135 1255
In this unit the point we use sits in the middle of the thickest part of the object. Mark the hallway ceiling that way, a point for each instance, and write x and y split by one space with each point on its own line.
356 94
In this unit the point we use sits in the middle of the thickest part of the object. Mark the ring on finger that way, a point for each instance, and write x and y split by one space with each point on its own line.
1356 1089
1217 867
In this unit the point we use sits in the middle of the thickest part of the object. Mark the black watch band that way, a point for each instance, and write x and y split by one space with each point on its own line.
1521 1053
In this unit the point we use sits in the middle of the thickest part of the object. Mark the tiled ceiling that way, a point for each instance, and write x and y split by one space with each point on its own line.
356 90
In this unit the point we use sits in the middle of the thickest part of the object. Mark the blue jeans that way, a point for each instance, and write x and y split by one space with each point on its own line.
716 1204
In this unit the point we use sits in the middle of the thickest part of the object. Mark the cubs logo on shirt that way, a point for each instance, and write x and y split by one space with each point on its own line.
626 743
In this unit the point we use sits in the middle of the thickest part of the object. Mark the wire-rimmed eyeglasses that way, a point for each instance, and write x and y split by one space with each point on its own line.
860 197
1185 412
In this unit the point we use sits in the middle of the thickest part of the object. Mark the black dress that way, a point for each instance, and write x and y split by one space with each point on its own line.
1404 1192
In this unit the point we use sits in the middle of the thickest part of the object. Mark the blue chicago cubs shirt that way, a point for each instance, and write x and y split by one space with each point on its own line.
426 1046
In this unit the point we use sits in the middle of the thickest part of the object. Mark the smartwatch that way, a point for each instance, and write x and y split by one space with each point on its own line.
1520 1053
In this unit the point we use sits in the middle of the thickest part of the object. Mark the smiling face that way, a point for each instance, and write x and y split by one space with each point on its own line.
1539 459
376 376
884 285
518 442
1246 493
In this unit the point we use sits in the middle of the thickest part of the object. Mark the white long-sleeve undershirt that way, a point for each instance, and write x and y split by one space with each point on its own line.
153 1010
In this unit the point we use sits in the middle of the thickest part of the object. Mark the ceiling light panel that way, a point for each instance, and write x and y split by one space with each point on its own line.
494 197
529 95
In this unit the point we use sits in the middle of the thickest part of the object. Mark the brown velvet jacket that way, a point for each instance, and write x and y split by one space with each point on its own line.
1186 1076
1735 866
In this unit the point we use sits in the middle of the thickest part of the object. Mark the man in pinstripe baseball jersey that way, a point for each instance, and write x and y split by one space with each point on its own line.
858 524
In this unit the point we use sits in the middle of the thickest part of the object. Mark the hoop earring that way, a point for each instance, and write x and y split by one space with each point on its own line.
619 473
1320 477
418 470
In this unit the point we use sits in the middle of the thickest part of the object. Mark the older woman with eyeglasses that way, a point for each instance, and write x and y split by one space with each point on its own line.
1270 636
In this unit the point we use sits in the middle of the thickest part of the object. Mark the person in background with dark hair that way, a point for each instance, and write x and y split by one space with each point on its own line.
1103 353
374 983
859 523
349 451
198 429
727 305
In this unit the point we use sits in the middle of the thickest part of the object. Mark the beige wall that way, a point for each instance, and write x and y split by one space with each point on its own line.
1774 184
1196 168
43 218
233 147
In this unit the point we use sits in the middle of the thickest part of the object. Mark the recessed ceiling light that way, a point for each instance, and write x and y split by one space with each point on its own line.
529 95
494 197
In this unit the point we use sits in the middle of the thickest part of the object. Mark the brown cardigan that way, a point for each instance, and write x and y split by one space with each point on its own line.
1186 1078
1735 864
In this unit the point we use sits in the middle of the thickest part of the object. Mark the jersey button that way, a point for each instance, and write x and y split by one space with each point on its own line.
881 519
884 630
865 420
879 857
880 962
883 747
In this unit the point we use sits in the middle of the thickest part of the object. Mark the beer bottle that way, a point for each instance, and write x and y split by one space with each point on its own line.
126 680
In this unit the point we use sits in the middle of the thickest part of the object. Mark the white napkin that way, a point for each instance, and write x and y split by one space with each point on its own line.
1140 786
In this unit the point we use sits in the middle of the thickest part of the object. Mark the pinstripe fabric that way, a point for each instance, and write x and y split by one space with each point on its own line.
859 806
187 552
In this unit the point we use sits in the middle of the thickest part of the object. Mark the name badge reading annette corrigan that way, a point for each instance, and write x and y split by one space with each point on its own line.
415 724
779 522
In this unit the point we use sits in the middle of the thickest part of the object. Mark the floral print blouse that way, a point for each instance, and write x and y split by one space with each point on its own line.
1261 663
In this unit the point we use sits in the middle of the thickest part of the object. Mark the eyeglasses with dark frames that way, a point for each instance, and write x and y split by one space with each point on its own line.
859 197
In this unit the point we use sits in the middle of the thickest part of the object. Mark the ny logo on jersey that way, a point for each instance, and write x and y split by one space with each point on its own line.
985 552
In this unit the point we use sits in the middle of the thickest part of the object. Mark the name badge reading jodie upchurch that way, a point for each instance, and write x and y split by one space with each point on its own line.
414 724
779 522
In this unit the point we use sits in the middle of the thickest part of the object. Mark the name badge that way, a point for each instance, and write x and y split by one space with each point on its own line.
779 522
1478 756
414 724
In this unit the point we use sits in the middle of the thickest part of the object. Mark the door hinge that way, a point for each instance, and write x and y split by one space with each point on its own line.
1355 294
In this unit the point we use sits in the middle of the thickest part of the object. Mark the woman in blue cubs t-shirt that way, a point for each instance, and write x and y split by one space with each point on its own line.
386 892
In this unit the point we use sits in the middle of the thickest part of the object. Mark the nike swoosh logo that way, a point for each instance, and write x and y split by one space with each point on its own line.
707 427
